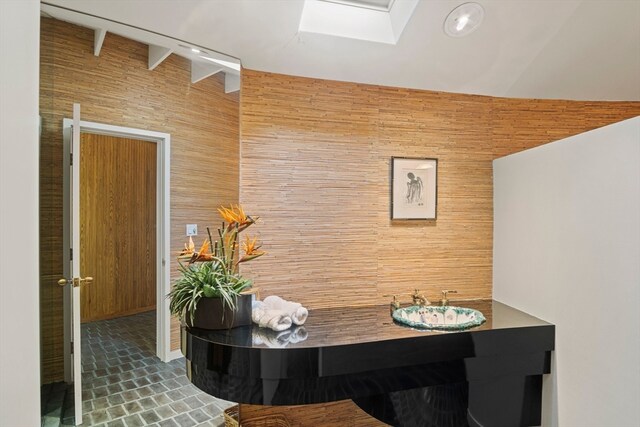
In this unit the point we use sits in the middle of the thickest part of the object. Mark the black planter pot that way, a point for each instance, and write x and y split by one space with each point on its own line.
210 314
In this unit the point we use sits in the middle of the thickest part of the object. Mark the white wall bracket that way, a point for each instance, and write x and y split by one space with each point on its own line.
231 82
157 54
201 71
98 39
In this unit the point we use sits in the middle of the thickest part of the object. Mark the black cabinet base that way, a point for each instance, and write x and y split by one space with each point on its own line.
506 401
437 406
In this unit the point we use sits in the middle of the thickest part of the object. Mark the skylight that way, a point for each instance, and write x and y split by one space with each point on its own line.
380 21
384 5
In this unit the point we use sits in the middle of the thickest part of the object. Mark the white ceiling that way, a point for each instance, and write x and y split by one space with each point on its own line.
569 49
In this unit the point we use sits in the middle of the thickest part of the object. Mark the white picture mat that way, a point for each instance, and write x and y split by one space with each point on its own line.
414 188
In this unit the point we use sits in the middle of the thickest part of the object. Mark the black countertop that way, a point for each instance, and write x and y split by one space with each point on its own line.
329 327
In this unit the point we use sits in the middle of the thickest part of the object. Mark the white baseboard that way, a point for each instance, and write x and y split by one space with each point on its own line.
175 354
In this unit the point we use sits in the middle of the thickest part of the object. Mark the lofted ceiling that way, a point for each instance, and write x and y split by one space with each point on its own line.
568 49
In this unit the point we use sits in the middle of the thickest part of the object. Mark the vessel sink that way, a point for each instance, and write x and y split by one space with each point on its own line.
444 318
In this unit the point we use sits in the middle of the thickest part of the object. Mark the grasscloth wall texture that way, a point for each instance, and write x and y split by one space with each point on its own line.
315 166
117 88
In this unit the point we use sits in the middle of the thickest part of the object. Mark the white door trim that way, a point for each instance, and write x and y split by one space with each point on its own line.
163 213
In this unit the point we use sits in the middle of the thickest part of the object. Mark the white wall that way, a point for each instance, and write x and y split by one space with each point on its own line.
567 250
19 248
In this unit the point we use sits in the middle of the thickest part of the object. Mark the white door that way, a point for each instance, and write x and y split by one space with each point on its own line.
73 280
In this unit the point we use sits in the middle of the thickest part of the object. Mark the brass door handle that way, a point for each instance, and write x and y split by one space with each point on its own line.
76 281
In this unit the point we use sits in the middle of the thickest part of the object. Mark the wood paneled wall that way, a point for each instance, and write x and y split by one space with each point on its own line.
117 226
117 88
315 166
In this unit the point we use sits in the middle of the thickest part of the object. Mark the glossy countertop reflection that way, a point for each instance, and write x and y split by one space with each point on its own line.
341 326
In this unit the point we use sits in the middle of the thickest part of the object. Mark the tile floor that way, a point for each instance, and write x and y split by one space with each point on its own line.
54 399
125 384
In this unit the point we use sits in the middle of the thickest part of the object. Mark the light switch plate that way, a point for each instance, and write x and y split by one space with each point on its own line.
192 229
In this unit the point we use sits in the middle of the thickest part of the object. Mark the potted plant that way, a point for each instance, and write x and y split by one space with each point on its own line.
211 293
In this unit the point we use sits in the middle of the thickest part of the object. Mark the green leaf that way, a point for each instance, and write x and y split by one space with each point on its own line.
207 279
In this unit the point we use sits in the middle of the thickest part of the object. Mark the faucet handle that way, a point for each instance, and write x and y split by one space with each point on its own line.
395 300
418 298
395 304
444 300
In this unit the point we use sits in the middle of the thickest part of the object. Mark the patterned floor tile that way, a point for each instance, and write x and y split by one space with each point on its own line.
125 384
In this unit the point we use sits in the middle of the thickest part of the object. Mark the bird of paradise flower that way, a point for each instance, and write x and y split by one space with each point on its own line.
235 221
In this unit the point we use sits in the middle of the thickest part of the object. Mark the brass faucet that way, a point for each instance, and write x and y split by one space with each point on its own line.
416 296
419 299
444 301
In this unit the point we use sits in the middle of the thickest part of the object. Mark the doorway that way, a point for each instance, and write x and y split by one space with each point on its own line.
117 198
115 154
118 180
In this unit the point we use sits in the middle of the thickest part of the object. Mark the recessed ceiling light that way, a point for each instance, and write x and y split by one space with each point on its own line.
463 20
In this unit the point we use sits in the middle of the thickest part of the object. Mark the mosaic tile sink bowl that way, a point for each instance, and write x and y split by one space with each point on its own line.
442 318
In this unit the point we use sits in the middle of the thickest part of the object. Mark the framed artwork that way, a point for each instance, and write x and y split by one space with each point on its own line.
414 188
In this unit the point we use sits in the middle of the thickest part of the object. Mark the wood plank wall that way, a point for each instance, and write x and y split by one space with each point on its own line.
117 226
117 88
315 167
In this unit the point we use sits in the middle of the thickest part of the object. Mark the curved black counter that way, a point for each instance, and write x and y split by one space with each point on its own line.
490 375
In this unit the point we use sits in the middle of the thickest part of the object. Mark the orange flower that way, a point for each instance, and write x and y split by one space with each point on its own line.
189 248
242 217
202 254
227 214
249 246
251 249
235 216
226 249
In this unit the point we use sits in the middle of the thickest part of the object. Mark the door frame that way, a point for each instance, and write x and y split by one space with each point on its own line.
163 224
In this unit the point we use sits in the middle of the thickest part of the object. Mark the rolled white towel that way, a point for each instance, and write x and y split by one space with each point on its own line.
266 317
257 311
297 312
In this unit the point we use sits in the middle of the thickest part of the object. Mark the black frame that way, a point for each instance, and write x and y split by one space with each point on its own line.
393 159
